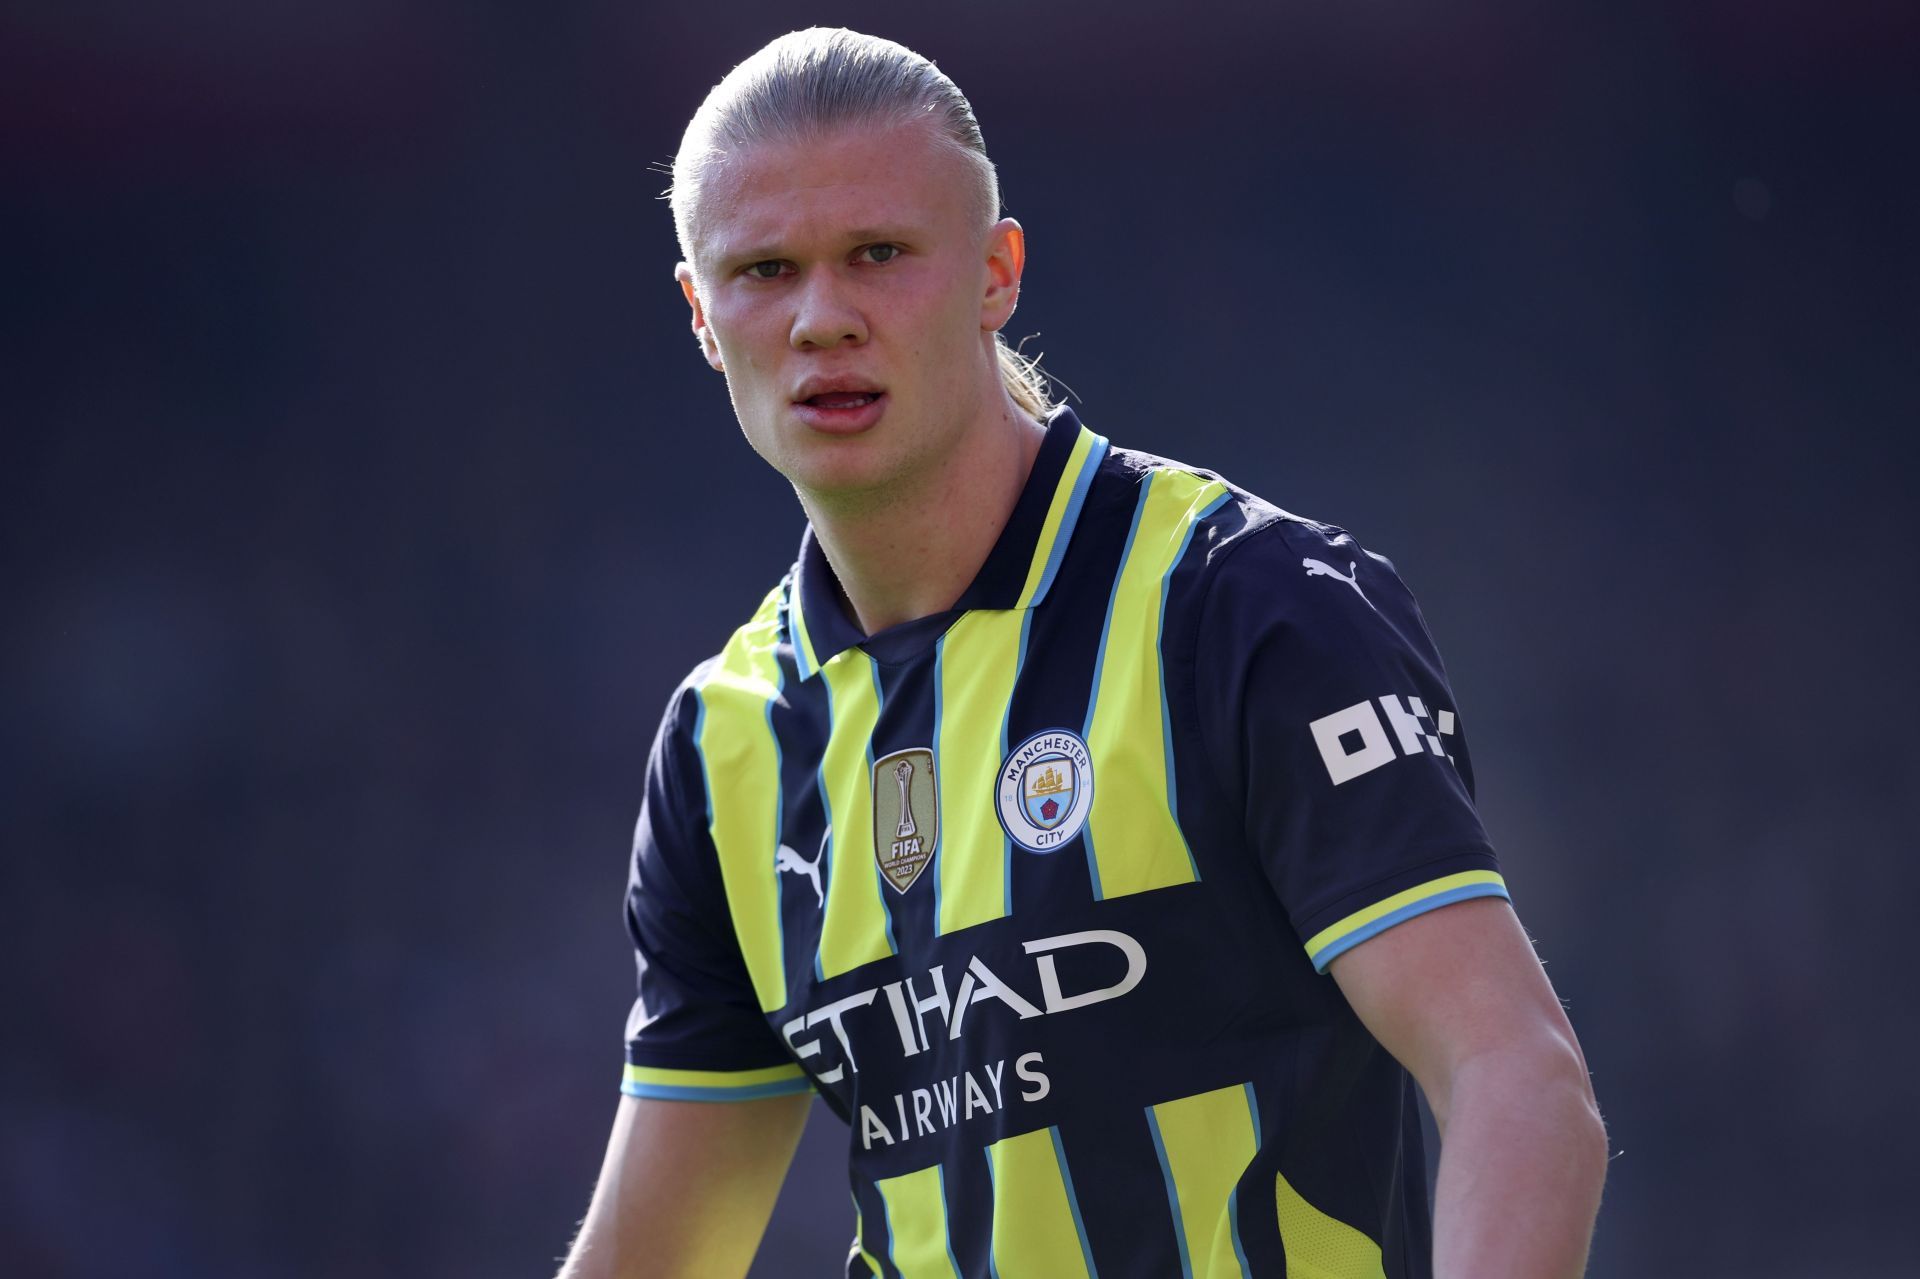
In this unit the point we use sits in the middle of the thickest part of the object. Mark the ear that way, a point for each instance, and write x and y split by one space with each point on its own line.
1006 259
708 346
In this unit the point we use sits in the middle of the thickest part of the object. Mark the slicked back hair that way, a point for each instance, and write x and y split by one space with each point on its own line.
809 83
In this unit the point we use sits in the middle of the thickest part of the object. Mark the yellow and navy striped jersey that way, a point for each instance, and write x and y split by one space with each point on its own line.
1039 893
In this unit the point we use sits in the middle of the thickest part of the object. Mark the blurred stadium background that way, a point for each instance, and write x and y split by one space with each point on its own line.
365 496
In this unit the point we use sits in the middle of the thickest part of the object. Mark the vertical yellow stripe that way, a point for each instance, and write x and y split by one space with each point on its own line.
741 763
1137 844
1207 1141
855 929
978 660
1318 1246
1056 512
1034 1231
917 1223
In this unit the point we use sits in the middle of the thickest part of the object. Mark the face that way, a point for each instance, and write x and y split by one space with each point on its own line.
847 289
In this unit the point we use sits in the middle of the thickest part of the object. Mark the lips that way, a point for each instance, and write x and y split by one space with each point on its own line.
842 406
837 392
841 399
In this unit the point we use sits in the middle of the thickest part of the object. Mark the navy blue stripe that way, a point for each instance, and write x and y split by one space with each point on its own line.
1070 518
969 1185
1073 1201
873 1220
1173 1197
906 722
1159 651
1204 803
1122 1200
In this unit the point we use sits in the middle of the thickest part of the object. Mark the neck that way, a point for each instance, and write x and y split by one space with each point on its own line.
915 549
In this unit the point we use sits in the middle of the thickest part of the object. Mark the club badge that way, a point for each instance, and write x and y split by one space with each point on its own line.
906 815
1046 790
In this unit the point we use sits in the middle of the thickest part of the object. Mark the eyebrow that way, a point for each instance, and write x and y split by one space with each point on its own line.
857 236
867 235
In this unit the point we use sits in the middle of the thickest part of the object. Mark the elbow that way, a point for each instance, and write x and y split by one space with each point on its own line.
1538 1094
1573 1113
1591 1142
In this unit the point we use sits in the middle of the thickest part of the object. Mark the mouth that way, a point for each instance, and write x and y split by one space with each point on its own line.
841 412
842 399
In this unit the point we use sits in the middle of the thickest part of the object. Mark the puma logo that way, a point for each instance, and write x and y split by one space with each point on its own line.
787 859
1320 568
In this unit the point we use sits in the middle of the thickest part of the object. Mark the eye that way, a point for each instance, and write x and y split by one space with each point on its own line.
881 253
768 270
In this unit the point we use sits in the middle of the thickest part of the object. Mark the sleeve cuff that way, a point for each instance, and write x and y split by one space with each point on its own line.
1338 938
714 1085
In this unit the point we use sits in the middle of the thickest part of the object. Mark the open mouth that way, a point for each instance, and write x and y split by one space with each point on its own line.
839 405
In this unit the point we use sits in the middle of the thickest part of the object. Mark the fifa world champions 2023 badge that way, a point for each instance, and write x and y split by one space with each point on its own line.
906 815
1045 790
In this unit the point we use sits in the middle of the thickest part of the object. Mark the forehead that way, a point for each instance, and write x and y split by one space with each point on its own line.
902 176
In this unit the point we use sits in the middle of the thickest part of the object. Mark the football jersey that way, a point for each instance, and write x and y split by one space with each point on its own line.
1039 893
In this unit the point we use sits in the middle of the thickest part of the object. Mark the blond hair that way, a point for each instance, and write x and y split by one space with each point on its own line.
808 83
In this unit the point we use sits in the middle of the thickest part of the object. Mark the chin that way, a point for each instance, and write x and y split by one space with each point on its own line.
843 469
841 482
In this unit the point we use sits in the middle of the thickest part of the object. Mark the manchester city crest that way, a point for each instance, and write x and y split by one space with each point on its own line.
906 815
1046 790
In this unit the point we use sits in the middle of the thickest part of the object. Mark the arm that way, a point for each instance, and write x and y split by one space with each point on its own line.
686 1188
1459 998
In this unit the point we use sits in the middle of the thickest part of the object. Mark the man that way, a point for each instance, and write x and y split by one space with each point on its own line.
1094 836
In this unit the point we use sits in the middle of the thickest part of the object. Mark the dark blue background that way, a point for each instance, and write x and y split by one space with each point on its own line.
365 495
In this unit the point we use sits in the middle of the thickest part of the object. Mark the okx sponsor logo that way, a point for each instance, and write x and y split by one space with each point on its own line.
1357 740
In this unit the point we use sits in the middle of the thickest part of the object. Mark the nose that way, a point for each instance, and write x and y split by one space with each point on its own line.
824 317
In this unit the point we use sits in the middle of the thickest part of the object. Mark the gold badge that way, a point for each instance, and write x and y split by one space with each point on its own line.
906 815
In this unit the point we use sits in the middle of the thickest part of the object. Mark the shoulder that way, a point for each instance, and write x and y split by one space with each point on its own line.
1239 543
1160 499
748 666
753 652
1290 566
1245 581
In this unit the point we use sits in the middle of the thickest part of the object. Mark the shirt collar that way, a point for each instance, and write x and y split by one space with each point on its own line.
1017 572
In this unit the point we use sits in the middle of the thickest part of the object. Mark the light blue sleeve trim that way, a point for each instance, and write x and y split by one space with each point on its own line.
682 1092
1333 950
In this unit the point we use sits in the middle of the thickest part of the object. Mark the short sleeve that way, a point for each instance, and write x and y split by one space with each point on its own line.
696 1032
1326 709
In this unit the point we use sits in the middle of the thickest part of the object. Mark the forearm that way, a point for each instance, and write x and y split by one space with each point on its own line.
686 1188
1523 1156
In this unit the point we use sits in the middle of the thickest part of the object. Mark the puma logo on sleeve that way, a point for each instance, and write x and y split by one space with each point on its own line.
1320 568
